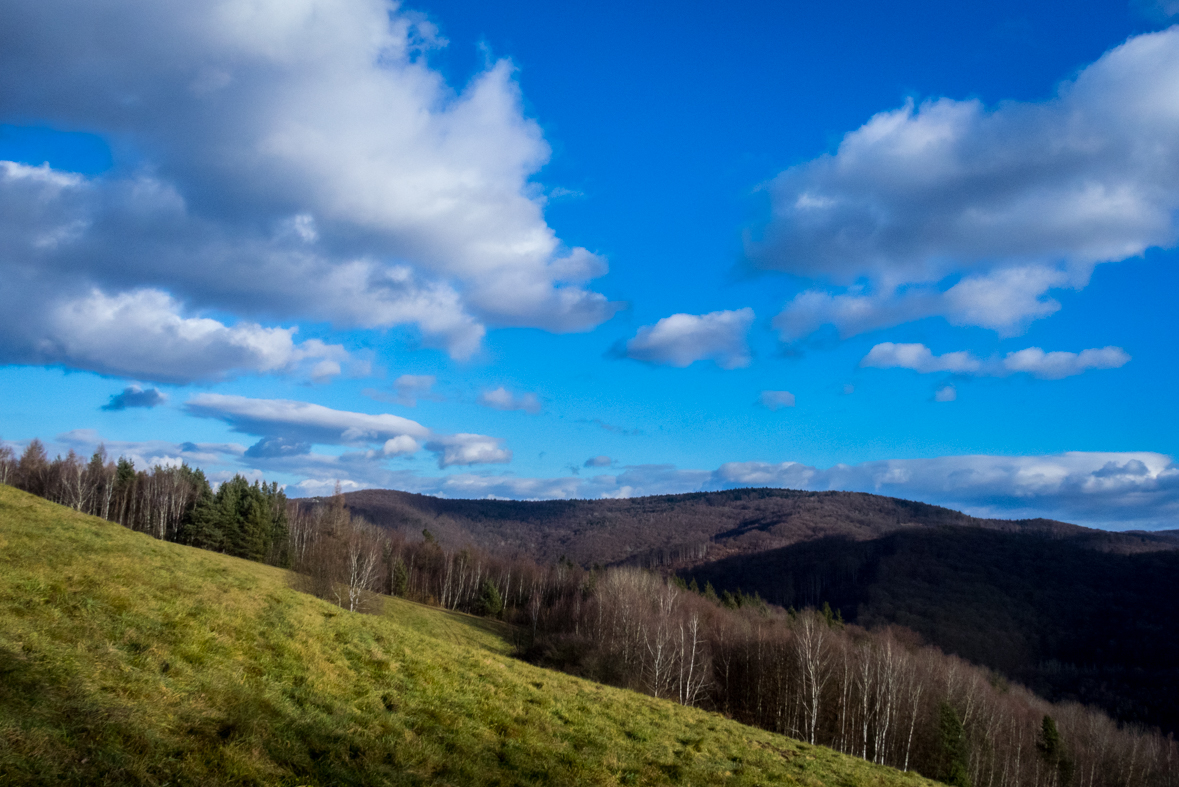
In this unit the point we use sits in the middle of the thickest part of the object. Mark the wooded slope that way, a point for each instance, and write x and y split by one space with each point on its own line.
678 530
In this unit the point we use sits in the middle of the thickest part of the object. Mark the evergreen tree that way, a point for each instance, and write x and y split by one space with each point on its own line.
491 604
201 526
710 592
955 769
400 584
32 472
1051 749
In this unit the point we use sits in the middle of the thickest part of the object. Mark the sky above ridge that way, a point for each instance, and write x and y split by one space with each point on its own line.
521 250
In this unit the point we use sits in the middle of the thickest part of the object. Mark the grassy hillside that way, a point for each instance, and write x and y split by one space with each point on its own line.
125 660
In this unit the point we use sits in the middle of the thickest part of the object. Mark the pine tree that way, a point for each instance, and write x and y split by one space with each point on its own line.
491 604
952 743
400 584
1051 748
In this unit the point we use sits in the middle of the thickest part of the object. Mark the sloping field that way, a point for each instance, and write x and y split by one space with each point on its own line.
125 660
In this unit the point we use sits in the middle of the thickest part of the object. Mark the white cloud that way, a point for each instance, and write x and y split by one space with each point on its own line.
312 423
283 424
952 209
402 445
1033 360
1054 365
281 143
947 393
503 399
683 339
918 357
776 400
598 461
468 449
144 334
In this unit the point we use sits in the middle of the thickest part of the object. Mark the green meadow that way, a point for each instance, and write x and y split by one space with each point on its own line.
126 661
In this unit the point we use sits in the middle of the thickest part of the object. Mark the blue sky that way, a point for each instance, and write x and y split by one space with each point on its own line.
521 250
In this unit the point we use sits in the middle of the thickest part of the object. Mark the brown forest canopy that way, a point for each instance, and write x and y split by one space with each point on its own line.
674 530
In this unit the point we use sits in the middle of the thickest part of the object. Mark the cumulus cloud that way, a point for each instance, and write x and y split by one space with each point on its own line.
1054 365
143 333
260 147
776 400
683 339
918 357
468 449
503 399
953 209
1033 360
134 396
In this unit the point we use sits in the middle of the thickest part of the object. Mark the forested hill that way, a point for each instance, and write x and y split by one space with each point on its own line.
1068 622
682 530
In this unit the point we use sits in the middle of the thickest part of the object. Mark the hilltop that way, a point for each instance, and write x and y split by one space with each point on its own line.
689 529
127 660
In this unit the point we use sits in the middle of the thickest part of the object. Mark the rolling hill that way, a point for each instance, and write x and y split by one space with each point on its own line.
689 529
126 660
1068 621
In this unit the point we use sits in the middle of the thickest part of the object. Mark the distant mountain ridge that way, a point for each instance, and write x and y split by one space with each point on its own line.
689 529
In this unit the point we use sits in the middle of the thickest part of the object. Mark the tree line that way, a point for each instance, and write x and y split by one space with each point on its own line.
880 695
171 503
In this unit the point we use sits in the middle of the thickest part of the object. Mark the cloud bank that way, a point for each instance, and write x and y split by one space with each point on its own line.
259 147
949 208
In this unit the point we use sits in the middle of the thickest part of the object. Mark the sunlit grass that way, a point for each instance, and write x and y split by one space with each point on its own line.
125 660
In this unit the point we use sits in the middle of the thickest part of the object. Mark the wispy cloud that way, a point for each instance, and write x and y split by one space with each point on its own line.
289 428
407 390
776 400
503 399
